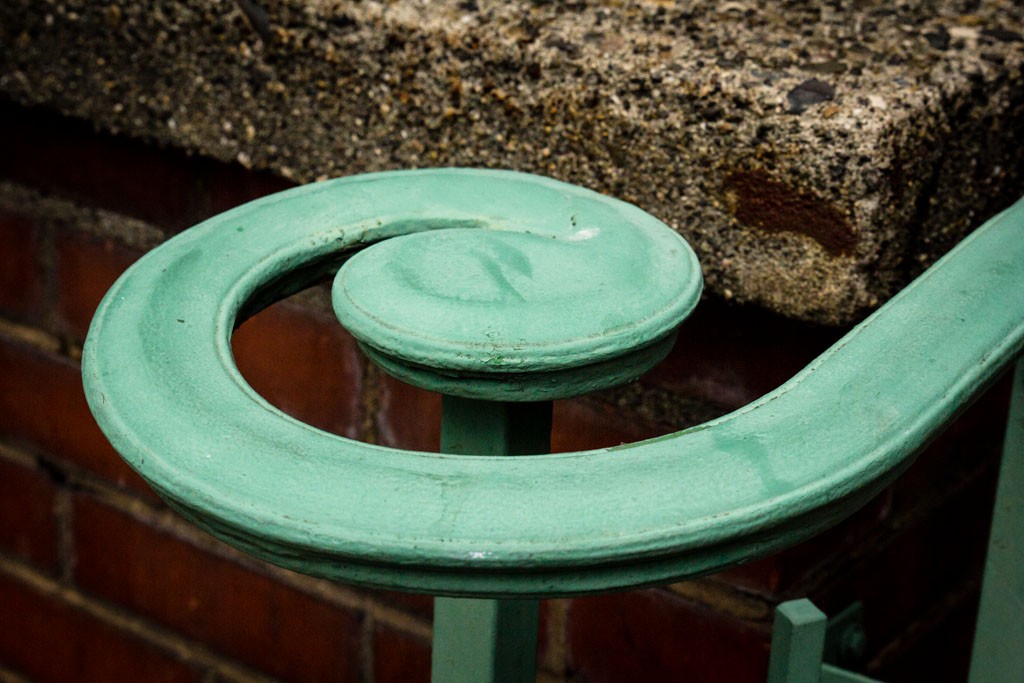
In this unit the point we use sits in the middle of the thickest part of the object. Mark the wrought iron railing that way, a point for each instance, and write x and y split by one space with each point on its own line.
449 310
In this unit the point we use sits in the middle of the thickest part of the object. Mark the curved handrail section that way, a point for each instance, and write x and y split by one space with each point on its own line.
162 383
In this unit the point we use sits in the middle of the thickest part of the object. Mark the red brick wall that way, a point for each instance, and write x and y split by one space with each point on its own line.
100 582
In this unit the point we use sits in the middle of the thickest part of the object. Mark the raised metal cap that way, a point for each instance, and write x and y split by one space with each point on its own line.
572 293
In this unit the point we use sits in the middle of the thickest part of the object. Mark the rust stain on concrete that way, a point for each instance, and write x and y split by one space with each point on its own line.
758 200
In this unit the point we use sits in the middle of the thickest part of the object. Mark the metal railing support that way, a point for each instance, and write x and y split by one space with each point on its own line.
798 643
998 654
591 291
798 647
480 640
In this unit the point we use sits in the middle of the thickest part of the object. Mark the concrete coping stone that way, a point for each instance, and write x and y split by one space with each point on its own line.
817 155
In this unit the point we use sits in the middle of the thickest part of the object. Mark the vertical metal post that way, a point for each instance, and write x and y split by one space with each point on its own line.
484 640
798 643
798 646
998 653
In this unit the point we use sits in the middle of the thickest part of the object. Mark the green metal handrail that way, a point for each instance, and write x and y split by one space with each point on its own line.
161 381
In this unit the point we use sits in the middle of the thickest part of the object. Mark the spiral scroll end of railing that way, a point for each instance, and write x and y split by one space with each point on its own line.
504 287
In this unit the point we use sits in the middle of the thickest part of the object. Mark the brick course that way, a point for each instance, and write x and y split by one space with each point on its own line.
304 363
28 521
87 266
400 658
43 637
68 157
43 406
407 416
655 636
235 610
20 271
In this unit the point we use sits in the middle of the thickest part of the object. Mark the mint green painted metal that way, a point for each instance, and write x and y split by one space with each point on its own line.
528 386
798 647
164 388
484 641
471 427
833 674
798 643
508 319
998 653
480 640
521 316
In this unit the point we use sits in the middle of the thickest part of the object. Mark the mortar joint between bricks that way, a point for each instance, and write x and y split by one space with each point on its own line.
29 335
370 402
366 647
163 520
165 640
65 510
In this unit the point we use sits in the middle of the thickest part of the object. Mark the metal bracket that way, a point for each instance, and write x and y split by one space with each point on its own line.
845 640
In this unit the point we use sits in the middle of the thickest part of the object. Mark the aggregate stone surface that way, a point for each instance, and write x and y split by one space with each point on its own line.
816 154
